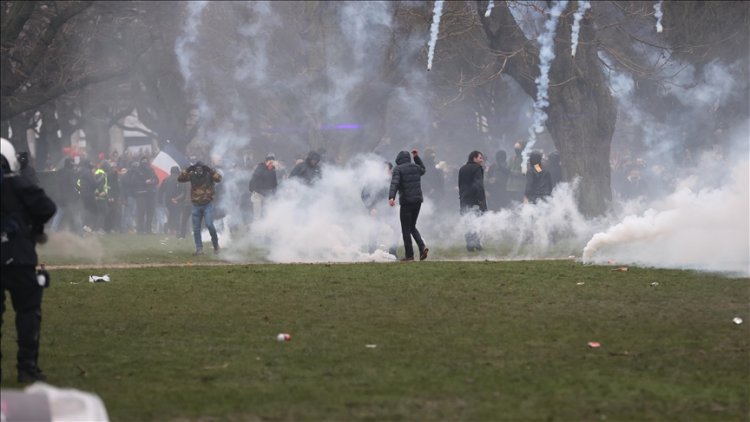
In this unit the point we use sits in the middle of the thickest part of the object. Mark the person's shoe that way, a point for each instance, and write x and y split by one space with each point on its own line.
407 259
31 375
216 249
423 254
198 252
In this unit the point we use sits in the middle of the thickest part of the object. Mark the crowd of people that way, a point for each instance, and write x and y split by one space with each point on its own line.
122 193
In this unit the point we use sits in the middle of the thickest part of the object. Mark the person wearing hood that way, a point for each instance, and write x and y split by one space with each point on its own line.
471 194
308 170
25 210
406 180
27 170
202 180
538 180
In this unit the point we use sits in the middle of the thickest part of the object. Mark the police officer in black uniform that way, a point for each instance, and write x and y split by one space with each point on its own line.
25 210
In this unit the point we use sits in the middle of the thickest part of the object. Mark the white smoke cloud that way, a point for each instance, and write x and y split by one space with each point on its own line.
328 221
705 229
434 28
490 6
583 6
252 60
658 14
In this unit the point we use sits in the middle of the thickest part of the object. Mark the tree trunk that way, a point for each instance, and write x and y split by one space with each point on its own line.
582 116
582 112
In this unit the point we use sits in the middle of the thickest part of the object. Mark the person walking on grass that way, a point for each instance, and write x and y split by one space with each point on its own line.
471 194
202 180
406 180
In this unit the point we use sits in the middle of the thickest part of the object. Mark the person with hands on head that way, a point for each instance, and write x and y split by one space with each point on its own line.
202 179
406 180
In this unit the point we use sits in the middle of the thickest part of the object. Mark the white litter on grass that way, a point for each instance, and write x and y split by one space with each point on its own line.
99 279
737 320
371 346
655 283
580 283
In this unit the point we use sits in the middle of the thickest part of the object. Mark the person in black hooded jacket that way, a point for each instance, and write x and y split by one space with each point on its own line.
471 194
538 180
407 181
308 170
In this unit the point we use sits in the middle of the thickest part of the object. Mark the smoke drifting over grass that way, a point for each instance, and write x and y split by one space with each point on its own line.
705 229
700 222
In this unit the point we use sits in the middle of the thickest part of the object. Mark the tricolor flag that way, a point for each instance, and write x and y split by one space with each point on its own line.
167 158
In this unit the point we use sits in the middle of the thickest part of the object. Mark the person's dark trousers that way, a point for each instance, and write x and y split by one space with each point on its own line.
472 238
173 218
185 215
409 214
26 297
144 212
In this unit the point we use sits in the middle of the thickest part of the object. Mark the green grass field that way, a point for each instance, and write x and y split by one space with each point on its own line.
409 342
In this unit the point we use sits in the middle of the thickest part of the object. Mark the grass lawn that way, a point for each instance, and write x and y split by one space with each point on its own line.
416 341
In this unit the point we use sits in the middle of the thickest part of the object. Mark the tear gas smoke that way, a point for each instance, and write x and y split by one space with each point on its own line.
658 15
185 53
328 222
583 6
546 55
490 5
703 229
434 28
69 245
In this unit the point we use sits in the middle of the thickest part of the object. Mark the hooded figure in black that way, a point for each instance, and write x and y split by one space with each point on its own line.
471 194
538 180
25 210
406 180
498 175
308 170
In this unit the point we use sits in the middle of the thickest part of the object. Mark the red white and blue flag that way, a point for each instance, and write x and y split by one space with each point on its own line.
167 158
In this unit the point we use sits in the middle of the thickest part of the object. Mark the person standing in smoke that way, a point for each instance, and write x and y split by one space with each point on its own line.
202 179
471 194
498 175
554 168
172 195
434 184
308 170
263 184
144 183
517 180
538 180
66 197
27 170
86 186
371 198
407 181
25 210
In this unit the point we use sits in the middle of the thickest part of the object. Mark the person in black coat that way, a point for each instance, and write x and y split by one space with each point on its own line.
498 175
471 194
308 170
25 210
406 180
144 183
538 180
